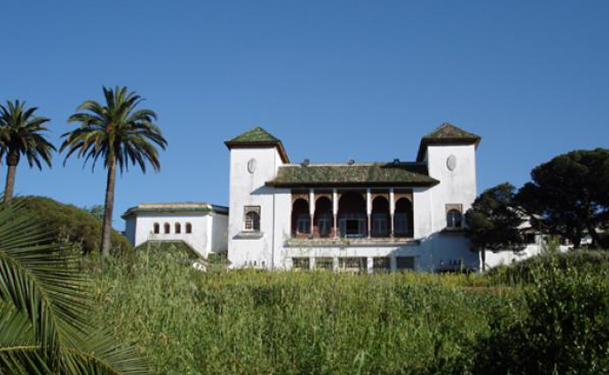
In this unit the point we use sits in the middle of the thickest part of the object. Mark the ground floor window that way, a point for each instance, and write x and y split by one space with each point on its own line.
404 263
381 264
300 263
352 264
324 263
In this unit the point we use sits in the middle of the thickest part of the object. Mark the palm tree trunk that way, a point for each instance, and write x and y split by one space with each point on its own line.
483 257
108 208
11 161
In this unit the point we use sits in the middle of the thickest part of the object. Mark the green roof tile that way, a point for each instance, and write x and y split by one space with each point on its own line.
447 134
254 136
181 207
258 137
377 174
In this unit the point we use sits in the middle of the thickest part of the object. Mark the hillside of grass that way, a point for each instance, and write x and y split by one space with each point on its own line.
251 322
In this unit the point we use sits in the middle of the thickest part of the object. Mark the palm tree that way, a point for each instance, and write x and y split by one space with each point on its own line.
44 305
20 136
119 134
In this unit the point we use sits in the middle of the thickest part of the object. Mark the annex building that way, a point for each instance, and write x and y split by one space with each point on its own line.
352 216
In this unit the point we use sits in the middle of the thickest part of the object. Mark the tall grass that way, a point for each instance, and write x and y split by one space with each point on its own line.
249 322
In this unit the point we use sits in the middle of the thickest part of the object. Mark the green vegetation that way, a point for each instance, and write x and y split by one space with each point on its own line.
494 221
70 224
248 322
119 134
45 307
21 134
569 195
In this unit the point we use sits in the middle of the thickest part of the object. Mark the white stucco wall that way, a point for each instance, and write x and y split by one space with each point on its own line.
248 189
457 186
494 259
199 239
130 229
219 233
436 249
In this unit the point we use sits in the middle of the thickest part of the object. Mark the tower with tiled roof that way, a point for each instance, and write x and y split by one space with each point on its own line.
255 157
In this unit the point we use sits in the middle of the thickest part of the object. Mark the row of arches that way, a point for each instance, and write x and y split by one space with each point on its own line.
167 228
352 219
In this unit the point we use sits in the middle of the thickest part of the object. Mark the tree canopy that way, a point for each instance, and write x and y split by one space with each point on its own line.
569 195
21 134
70 224
119 134
494 221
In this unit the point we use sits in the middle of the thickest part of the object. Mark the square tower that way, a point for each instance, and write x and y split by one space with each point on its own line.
255 157
450 155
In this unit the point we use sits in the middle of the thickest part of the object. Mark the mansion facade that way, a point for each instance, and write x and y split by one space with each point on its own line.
353 216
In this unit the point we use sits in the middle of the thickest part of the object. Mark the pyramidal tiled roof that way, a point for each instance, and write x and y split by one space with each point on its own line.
258 137
449 131
257 134
447 134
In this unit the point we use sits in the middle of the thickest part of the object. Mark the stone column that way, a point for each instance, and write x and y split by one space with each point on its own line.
311 209
335 211
370 264
391 210
369 210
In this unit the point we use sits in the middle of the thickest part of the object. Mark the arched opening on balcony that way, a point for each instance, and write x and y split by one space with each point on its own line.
403 225
323 219
156 228
178 228
188 228
352 216
167 228
380 217
301 218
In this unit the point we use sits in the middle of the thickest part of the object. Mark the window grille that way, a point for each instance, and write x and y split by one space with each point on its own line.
252 219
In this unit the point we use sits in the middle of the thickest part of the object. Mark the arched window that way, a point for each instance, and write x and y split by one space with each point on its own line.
157 228
352 215
453 218
178 228
380 217
403 224
252 220
301 219
167 228
323 219
188 228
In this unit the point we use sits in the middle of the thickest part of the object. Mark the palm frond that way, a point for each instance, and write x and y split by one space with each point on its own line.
116 131
44 305
21 134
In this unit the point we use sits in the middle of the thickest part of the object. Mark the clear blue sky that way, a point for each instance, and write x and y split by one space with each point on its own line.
333 79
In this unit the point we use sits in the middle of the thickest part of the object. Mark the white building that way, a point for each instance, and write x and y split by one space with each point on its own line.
353 216
201 226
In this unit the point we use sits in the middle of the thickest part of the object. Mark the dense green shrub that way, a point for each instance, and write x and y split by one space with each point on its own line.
71 224
524 271
561 327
